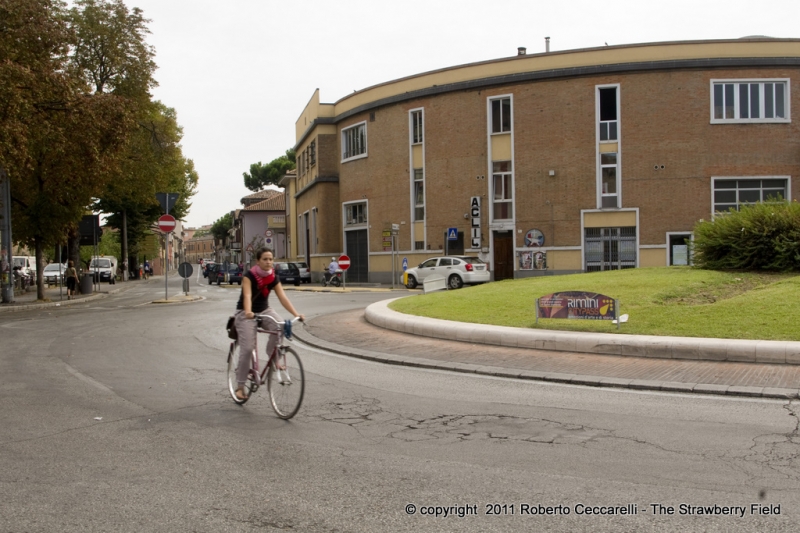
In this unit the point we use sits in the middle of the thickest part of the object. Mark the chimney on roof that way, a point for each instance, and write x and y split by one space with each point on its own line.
547 44
521 51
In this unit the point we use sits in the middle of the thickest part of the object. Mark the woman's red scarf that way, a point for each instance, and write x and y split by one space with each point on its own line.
263 279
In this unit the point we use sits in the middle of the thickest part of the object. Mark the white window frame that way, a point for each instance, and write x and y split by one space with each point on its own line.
346 206
599 122
510 200
761 120
420 111
714 179
414 204
618 141
669 251
417 127
490 101
344 137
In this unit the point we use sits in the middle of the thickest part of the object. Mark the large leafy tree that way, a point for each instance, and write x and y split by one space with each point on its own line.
112 57
59 143
270 174
153 163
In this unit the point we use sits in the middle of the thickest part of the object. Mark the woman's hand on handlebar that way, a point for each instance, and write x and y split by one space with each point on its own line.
301 317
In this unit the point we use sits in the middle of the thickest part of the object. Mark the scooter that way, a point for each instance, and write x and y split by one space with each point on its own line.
334 280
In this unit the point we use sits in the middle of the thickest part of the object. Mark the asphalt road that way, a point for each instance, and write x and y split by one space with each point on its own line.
115 417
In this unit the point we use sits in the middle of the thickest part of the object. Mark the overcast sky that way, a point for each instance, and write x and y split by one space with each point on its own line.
240 72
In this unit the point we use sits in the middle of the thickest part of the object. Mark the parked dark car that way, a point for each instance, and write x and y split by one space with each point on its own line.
207 265
288 273
216 274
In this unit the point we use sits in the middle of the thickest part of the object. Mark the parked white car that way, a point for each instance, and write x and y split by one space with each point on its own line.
456 270
105 266
53 273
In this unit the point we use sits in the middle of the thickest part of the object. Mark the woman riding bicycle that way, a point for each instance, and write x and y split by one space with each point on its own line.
257 283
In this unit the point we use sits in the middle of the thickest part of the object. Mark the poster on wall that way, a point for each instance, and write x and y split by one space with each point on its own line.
532 260
526 260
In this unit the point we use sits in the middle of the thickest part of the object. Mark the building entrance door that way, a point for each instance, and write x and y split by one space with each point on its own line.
357 248
503 255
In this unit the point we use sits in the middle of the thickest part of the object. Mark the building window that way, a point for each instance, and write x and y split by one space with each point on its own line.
355 213
609 248
416 127
502 191
419 195
749 101
354 142
419 245
609 116
312 149
501 115
608 181
730 194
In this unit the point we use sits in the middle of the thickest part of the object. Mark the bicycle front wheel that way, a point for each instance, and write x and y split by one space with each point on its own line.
233 362
286 383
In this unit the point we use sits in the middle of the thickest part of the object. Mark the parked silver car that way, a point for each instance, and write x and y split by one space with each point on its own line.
457 270
305 273
52 275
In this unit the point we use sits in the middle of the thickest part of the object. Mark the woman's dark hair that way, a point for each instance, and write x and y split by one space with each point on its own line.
261 251
71 263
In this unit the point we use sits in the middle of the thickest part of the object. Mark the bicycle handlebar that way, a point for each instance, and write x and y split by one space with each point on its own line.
292 321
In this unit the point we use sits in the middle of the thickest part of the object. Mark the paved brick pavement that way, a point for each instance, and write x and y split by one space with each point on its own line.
349 333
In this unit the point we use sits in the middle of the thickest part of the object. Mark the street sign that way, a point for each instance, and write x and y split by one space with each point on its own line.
167 200
452 234
166 223
185 270
268 233
405 264
344 262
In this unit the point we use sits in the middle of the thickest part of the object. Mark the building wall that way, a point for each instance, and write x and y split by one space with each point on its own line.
668 151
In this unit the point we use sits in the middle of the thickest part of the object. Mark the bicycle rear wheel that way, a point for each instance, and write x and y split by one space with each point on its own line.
233 362
286 385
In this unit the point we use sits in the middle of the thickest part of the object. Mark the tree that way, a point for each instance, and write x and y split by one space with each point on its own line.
58 143
220 228
112 56
153 163
111 53
262 175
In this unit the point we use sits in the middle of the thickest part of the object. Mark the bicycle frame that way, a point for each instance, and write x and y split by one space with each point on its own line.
260 375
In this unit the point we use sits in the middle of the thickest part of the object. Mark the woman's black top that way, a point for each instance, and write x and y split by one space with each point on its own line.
260 297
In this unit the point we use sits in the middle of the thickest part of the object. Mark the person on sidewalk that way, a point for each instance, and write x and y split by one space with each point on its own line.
71 275
257 284
147 270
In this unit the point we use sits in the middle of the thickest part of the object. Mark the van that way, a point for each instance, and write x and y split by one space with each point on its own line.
105 265
26 264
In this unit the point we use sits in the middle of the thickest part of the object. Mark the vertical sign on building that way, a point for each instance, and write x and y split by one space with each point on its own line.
475 216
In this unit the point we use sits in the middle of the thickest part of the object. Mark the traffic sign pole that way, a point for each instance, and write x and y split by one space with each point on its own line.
344 264
167 224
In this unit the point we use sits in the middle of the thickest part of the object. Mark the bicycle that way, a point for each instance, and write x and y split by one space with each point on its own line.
283 372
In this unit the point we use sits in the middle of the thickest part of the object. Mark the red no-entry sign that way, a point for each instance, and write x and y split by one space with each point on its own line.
344 262
166 223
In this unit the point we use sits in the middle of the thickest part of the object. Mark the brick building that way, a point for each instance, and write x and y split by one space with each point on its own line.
558 162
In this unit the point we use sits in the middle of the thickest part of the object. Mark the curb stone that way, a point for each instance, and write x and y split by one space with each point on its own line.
573 379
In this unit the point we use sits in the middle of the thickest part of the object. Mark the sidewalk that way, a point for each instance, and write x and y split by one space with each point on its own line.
348 333
57 297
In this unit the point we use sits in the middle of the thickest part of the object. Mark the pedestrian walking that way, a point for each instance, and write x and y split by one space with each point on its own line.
71 275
